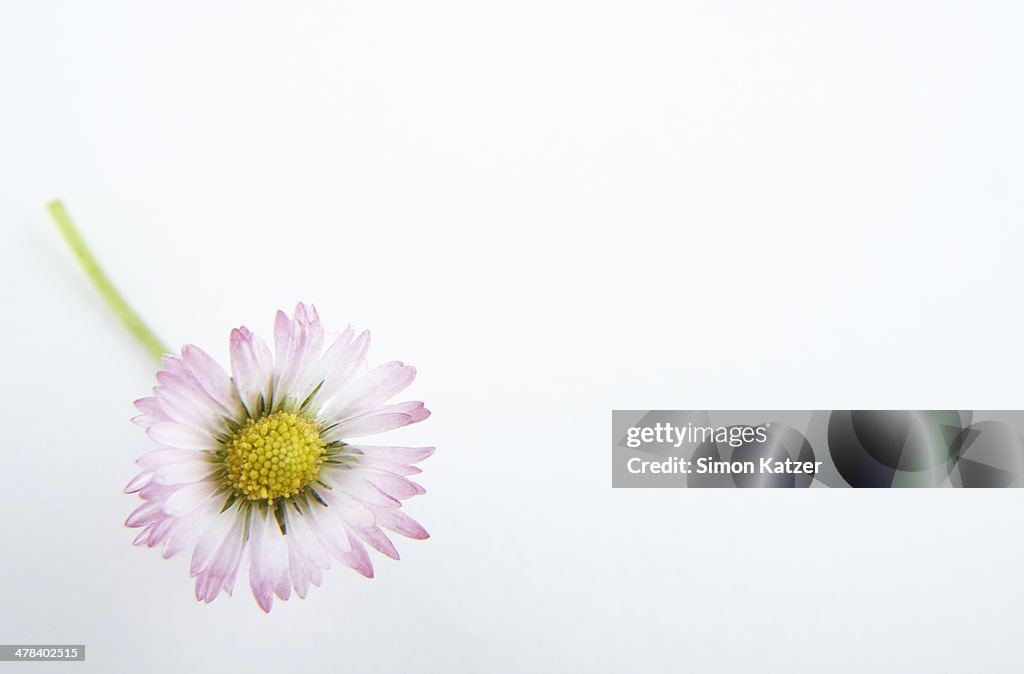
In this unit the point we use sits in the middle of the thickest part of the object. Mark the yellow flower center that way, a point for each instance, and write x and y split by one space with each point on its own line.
274 456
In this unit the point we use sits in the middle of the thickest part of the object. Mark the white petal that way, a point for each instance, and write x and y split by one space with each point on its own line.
339 541
351 482
219 572
138 482
349 509
185 472
299 342
268 569
395 520
187 529
187 404
180 436
211 376
252 368
377 540
214 531
145 514
151 410
305 555
188 498
382 419
340 363
162 457
370 390
398 455
393 485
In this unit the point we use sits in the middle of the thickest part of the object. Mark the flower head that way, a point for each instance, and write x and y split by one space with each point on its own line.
266 462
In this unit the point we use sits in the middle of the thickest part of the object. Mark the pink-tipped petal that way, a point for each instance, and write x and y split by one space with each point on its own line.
159 531
298 342
305 555
359 560
399 455
185 532
186 404
222 565
145 514
252 367
176 366
371 390
393 485
336 538
341 362
260 581
138 482
377 540
354 486
400 523
211 376
383 419
152 411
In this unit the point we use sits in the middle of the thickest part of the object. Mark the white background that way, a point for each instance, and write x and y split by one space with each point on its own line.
552 209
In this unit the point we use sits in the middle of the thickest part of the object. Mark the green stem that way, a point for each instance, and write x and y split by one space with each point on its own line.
92 268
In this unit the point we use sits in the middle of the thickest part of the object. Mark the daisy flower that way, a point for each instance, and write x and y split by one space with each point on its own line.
267 463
